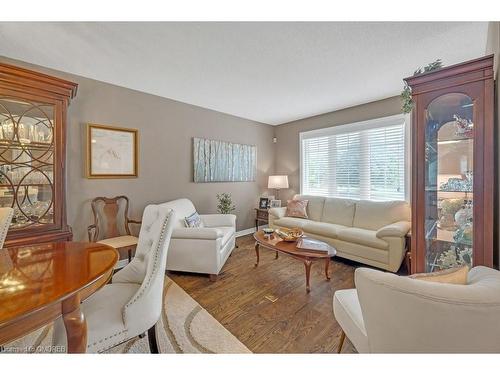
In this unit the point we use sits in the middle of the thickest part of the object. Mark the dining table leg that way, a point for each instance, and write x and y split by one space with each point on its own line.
75 324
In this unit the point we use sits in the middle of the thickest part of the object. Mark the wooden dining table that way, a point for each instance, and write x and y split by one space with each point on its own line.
40 283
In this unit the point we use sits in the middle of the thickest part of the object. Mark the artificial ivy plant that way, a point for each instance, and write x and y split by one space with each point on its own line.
407 104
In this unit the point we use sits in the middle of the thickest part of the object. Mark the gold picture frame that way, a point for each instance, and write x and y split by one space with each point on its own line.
112 152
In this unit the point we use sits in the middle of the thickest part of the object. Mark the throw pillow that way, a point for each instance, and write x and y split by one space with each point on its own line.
193 221
456 275
297 208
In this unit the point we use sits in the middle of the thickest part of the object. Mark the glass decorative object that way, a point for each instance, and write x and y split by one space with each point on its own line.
27 161
450 160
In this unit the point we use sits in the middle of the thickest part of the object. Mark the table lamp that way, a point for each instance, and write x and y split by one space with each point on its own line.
277 182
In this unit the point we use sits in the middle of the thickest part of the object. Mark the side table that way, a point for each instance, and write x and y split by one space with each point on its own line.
261 216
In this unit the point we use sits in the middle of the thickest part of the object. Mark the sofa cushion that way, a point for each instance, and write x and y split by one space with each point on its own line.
361 253
297 208
323 229
291 222
363 237
182 207
314 207
193 221
375 215
339 211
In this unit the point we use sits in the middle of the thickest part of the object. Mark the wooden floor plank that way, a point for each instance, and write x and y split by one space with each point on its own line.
297 322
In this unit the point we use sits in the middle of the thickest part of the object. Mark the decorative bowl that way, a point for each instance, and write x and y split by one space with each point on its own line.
268 230
289 235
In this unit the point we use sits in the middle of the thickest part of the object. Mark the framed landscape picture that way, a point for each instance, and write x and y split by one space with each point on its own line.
111 152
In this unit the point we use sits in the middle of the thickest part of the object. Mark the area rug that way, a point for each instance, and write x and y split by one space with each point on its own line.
184 327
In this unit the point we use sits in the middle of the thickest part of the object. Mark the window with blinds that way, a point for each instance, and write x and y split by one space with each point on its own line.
361 161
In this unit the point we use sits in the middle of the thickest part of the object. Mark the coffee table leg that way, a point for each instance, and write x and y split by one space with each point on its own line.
327 266
276 255
257 253
307 264
75 324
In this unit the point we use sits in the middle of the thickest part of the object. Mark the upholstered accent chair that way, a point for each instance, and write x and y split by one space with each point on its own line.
132 303
200 250
387 313
112 224
5 219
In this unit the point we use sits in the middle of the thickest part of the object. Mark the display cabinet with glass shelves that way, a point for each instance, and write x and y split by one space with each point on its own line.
32 154
453 174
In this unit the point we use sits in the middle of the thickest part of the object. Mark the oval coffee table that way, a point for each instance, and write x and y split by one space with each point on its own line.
275 243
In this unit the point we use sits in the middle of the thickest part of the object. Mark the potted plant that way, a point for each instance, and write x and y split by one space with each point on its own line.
225 203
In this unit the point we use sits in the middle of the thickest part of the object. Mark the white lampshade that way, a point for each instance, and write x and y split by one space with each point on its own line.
277 182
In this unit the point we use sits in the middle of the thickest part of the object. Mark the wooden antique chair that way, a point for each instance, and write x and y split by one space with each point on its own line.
111 224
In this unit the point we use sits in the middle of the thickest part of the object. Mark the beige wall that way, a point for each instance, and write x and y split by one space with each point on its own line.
166 128
287 150
493 46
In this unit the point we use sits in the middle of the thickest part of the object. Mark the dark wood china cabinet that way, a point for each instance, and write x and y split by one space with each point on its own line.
453 173
32 154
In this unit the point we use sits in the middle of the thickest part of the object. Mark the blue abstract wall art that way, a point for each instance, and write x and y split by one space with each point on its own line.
220 161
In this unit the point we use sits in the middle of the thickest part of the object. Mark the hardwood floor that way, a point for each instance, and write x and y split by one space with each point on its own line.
296 322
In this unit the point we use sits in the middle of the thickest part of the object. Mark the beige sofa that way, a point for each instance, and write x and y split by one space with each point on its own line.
368 232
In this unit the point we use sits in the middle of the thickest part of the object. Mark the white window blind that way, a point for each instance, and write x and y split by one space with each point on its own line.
361 161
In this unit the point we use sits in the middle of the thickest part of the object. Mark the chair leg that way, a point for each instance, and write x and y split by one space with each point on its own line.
341 342
153 344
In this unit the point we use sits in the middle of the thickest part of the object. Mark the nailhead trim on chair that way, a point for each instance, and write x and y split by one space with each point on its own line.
106 338
145 286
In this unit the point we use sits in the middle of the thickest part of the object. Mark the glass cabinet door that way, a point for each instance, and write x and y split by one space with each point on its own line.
27 161
449 195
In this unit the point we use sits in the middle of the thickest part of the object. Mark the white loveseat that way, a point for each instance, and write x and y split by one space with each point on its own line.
200 250
368 232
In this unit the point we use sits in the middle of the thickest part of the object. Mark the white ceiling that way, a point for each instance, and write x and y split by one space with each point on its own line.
269 72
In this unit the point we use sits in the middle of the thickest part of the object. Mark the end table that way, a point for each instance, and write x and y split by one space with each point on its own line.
261 216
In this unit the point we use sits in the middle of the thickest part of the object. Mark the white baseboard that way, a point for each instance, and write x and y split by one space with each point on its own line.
244 232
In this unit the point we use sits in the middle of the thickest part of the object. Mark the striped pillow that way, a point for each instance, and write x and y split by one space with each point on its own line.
193 221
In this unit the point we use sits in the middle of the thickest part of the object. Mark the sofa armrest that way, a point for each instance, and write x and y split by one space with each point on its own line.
197 233
398 229
219 220
277 212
